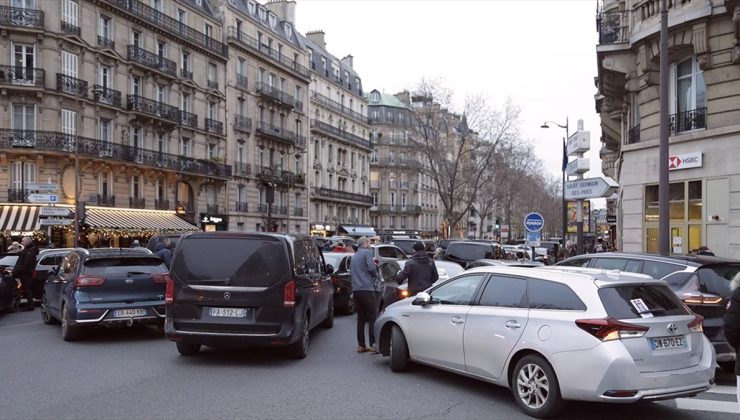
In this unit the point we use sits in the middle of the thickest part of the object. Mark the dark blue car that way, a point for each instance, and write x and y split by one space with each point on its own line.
105 287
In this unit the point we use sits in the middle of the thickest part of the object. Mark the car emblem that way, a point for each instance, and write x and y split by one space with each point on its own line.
672 328
227 295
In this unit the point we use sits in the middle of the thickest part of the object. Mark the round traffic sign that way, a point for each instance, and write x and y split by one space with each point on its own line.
534 222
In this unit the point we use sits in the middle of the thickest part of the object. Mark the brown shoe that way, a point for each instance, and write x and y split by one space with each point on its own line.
363 349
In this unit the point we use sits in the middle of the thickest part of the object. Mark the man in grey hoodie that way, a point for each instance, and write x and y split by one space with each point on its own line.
364 274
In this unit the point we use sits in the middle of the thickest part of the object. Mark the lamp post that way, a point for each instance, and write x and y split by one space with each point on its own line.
565 204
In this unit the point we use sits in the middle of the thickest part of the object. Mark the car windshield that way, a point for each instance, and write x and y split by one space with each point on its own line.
469 251
123 265
8 260
641 301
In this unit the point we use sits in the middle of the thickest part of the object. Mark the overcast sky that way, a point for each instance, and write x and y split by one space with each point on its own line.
541 54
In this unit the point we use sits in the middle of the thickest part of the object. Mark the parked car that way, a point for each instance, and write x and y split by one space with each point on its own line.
392 292
386 252
406 245
444 243
340 278
537 330
702 282
256 289
508 263
465 252
10 294
48 260
104 287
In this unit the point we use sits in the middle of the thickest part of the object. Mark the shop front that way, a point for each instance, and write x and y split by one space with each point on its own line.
17 221
213 222
321 230
118 228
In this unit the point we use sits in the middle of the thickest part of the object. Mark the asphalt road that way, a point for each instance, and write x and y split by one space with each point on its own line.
135 373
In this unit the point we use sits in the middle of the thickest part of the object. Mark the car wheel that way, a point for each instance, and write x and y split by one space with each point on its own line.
727 366
329 321
535 387
187 349
351 307
69 331
399 350
299 349
45 315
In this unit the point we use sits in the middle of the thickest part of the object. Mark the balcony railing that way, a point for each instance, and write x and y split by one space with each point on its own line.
242 168
71 85
275 94
242 207
408 163
22 76
242 123
18 16
340 134
613 27
186 74
688 120
279 209
69 28
298 212
154 108
634 135
212 208
163 22
397 208
93 148
276 174
242 81
17 196
338 107
152 60
105 42
281 134
213 126
106 201
161 204
137 202
343 195
251 43
106 95
188 119
262 208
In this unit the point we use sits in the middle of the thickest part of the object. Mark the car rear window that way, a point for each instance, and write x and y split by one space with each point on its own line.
406 246
8 260
716 278
239 262
333 259
621 302
123 265
469 252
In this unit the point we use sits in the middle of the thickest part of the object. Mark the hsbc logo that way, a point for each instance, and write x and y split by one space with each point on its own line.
685 161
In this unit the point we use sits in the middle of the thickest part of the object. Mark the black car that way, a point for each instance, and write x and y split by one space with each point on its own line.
342 281
702 282
465 252
229 289
508 263
406 245
10 295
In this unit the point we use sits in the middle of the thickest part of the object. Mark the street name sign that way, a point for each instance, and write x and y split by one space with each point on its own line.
55 222
42 198
578 166
42 187
534 222
55 212
533 239
581 189
579 142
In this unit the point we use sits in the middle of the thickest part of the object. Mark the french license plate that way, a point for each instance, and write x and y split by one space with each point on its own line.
667 343
128 313
228 312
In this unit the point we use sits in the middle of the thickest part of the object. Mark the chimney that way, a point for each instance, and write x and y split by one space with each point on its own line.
404 96
348 61
284 9
317 37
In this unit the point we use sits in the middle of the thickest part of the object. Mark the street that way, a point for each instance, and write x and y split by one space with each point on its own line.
135 373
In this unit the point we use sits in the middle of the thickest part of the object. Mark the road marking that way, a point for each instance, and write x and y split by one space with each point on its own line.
723 389
707 405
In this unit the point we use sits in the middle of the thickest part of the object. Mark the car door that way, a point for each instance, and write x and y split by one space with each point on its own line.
436 330
309 279
495 324
55 285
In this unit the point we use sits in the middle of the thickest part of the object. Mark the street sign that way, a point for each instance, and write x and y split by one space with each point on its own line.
533 222
504 231
610 218
578 166
55 222
685 161
533 239
55 212
42 198
581 189
42 187
579 142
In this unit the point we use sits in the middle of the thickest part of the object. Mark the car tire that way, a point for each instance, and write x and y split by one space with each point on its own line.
351 306
531 376
69 331
299 349
728 367
187 349
399 350
328 322
45 314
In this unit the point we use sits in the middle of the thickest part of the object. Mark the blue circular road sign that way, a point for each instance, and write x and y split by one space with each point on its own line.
533 222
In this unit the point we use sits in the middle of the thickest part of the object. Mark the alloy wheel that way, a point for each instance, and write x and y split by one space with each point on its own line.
533 386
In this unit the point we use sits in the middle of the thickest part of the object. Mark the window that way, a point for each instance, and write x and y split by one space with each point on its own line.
157 5
136 39
208 30
136 186
136 140
162 143
240 151
212 111
22 173
106 75
136 85
689 99
658 270
69 64
69 122
212 76
375 199
24 117
241 67
505 292
660 299
69 13
393 199
457 292
185 62
212 152
161 189
185 147
105 130
182 16
543 294
105 28
610 263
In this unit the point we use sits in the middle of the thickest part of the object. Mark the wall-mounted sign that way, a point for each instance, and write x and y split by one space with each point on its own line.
211 219
685 161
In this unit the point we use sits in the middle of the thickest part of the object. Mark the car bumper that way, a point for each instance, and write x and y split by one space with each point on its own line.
106 314
288 334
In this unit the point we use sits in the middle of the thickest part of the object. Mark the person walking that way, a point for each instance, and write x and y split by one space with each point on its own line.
731 325
24 268
364 274
163 251
135 244
420 271
15 247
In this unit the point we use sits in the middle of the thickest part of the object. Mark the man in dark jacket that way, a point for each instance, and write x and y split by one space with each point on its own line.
162 250
731 323
420 270
24 268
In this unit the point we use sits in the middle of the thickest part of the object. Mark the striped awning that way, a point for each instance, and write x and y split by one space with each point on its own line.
19 218
132 219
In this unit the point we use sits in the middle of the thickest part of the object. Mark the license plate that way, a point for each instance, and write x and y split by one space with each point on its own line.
667 343
228 312
128 313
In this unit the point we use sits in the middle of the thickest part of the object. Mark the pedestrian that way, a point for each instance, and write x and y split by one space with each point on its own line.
24 268
364 274
703 250
569 250
731 325
439 253
15 247
163 251
135 244
420 271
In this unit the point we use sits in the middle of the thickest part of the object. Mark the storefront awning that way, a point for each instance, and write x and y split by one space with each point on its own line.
357 230
19 218
135 219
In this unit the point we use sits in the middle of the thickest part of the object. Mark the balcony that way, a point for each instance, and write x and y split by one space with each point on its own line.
188 119
106 95
22 76
186 74
634 135
137 202
212 84
246 41
161 21
154 108
161 204
282 210
298 212
407 163
262 208
17 196
278 175
65 144
242 123
694 119
105 201
343 195
275 94
242 207
242 169
280 134
212 208
242 82
71 85
69 28
215 127
328 129
613 27
152 60
338 107
21 17
105 42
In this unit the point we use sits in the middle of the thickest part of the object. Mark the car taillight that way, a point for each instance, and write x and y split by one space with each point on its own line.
697 325
85 280
289 295
608 329
701 299
169 290
160 277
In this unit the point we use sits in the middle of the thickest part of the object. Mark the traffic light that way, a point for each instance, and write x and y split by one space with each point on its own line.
498 224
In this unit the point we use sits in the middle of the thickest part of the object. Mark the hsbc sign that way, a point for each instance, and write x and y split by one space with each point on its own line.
685 161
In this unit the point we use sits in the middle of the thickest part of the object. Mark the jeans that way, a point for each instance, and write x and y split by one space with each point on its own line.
367 312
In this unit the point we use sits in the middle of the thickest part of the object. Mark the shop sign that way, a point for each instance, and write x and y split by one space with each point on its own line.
211 219
685 161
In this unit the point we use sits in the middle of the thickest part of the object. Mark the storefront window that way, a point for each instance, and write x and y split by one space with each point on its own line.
686 221
651 243
651 203
694 237
695 199
676 198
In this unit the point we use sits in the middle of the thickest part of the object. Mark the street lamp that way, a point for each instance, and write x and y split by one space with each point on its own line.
565 205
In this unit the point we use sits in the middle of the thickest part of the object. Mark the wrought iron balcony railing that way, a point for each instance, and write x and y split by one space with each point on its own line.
212 208
276 174
153 108
71 85
262 208
343 195
93 148
188 119
275 94
242 168
242 81
298 212
69 28
186 74
17 195
242 207
161 204
338 107
213 126
212 84
152 60
106 200
613 27
137 202
408 163
105 42
242 123
279 209
281 134
22 76
688 120
22 17
248 42
634 135
106 95
340 134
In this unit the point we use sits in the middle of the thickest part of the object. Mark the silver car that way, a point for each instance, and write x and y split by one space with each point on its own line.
554 335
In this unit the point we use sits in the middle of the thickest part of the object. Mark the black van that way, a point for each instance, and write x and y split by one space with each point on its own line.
230 289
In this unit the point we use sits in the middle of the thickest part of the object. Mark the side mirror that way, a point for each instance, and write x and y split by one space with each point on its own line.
329 269
422 298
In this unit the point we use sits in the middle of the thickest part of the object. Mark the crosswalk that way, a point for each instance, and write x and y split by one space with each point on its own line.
719 399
